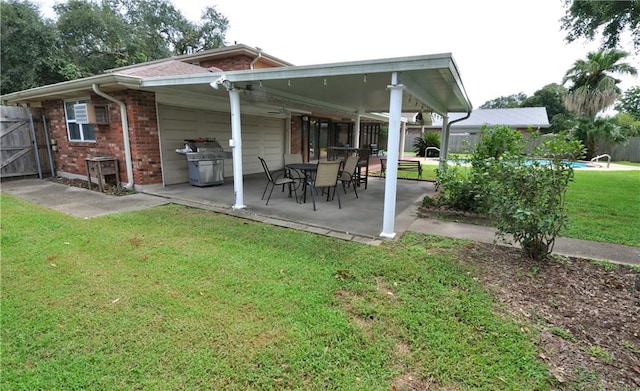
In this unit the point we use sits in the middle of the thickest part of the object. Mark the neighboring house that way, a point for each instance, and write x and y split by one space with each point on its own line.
252 103
524 119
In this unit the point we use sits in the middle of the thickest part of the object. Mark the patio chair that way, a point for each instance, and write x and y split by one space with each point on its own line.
363 167
349 174
277 181
326 177
293 158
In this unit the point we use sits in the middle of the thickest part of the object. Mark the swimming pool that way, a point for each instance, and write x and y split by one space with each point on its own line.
543 162
576 164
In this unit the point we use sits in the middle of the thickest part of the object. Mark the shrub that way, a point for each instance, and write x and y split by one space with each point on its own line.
429 139
455 189
527 202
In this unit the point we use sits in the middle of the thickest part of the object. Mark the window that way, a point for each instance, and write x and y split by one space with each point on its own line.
76 131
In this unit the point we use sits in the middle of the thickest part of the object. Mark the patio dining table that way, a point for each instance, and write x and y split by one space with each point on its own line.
308 169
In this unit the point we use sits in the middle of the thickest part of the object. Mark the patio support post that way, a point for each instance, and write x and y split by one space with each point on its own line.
356 130
444 142
403 137
236 144
391 181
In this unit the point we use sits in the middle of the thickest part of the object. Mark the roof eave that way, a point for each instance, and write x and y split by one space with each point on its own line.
55 90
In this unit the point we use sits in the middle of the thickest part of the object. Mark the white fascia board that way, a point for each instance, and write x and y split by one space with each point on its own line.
41 93
165 81
462 93
346 68
437 61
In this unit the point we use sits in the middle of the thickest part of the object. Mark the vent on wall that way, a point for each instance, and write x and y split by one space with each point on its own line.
88 113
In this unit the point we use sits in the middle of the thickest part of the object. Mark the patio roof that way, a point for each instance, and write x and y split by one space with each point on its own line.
431 83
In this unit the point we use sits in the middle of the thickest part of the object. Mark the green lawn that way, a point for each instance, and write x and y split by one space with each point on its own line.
175 298
604 206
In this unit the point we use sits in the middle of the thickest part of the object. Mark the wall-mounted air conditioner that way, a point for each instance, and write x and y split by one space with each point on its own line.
89 113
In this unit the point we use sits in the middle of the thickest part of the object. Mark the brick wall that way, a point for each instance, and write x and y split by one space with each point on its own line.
236 63
143 131
296 134
143 138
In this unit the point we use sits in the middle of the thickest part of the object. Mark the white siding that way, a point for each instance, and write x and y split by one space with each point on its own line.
261 136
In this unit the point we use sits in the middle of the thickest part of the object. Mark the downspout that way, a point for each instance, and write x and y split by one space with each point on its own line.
125 134
255 60
444 143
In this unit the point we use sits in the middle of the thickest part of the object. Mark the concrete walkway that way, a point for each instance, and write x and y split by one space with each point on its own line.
83 203
598 251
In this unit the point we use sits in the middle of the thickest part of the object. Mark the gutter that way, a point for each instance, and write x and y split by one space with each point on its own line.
125 134
457 120
444 156
55 90
255 60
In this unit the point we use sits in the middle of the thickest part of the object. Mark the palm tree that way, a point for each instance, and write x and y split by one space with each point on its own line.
593 88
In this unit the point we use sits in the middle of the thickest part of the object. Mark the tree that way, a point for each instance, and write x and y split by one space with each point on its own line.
630 102
585 18
163 30
593 88
502 102
550 97
592 132
28 49
90 36
95 36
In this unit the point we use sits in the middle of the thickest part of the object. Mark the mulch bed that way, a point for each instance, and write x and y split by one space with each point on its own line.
587 313
108 187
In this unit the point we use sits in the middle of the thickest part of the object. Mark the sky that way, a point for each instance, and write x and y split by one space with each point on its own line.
501 47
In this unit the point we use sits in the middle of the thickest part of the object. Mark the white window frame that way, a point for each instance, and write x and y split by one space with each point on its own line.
82 128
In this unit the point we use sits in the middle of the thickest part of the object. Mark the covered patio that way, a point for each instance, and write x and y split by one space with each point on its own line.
358 216
375 89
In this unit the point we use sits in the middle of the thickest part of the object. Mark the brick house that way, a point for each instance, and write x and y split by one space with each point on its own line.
252 103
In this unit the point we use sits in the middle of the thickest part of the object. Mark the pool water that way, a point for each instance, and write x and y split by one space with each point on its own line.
572 164
529 162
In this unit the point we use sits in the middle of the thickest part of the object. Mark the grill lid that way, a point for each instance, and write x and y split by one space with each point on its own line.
205 145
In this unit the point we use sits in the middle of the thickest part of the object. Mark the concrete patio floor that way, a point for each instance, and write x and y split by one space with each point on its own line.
359 216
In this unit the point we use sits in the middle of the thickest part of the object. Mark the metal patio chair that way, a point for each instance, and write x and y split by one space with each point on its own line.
277 181
326 177
349 174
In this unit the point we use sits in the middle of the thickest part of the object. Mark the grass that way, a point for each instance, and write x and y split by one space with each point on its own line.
604 206
177 298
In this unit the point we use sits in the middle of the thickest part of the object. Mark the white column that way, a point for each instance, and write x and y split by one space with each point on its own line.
403 137
356 130
236 144
444 142
287 135
391 182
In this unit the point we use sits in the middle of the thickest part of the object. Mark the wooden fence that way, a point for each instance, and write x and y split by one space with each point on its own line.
622 152
629 151
24 144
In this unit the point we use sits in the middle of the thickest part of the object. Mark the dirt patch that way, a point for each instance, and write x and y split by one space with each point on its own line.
587 314
109 188
444 213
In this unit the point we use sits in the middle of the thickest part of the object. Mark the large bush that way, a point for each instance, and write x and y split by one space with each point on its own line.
527 198
523 195
465 188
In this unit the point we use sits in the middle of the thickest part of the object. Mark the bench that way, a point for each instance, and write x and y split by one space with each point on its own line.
403 165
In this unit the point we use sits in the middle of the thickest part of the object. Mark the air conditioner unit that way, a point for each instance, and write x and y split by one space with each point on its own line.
88 113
